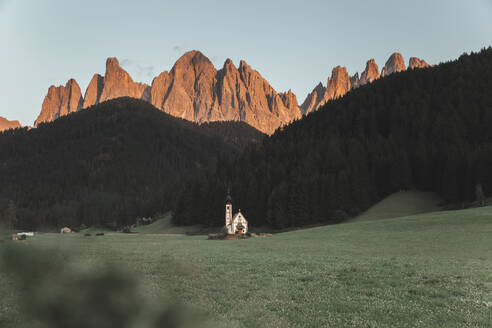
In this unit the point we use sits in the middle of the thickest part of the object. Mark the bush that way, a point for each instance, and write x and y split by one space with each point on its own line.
56 294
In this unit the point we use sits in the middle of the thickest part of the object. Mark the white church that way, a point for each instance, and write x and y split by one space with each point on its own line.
236 224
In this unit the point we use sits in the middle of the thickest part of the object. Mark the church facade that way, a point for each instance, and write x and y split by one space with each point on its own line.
236 224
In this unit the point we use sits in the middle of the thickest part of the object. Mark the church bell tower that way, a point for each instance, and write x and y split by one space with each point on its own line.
228 212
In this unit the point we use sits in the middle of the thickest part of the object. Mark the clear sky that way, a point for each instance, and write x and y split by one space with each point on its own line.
293 44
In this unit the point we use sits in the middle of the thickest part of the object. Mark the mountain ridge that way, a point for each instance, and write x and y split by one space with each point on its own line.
196 91
193 90
341 82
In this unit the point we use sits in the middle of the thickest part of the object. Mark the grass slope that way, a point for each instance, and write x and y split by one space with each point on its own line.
402 203
163 225
94 230
428 270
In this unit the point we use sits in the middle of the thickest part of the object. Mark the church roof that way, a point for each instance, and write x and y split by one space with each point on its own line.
237 215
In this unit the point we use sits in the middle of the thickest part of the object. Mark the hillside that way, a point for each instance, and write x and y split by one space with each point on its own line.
235 133
403 203
162 225
428 270
107 165
425 129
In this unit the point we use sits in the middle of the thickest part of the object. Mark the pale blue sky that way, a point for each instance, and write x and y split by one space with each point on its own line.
293 44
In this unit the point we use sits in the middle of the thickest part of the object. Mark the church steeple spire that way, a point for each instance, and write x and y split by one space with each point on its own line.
228 212
228 197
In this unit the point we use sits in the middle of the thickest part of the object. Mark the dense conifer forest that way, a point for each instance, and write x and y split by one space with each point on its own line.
108 165
427 129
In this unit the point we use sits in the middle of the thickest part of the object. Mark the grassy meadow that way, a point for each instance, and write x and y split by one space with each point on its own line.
163 226
403 203
427 270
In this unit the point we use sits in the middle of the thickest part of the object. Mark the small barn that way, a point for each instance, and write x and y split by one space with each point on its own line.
65 230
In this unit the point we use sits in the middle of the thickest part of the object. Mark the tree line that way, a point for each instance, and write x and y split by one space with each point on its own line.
108 165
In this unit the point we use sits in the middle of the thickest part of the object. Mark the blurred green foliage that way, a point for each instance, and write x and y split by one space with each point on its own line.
54 292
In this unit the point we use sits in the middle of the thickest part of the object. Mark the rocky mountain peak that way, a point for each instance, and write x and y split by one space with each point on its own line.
320 87
415 62
160 86
355 81
193 60
370 73
289 99
337 86
196 91
94 90
339 83
228 63
60 101
118 83
312 101
243 66
6 124
71 83
394 64
228 68
192 64
190 94
112 64
193 90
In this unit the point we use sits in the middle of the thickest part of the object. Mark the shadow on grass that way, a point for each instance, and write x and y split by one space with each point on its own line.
53 292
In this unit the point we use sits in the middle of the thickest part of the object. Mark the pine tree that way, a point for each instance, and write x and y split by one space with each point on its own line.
480 197
11 215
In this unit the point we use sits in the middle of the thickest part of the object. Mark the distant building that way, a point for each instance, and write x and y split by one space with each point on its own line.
65 230
236 224
27 234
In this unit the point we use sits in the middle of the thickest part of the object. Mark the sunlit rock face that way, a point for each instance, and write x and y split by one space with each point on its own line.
355 81
60 101
196 91
118 83
341 82
394 64
6 124
337 86
415 62
94 91
371 72
312 101
193 90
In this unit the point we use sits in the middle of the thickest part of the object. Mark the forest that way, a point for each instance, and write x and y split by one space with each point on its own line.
108 165
426 129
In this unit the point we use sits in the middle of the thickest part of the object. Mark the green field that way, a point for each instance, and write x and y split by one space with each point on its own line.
402 203
163 226
427 270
